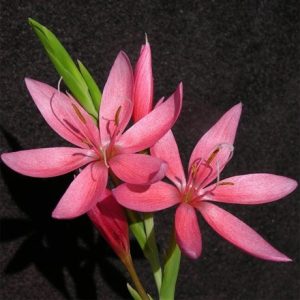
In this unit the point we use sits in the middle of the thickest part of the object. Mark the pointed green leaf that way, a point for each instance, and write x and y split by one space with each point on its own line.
79 90
151 251
93 88
134 294
170 271
65 66
137 228
53 45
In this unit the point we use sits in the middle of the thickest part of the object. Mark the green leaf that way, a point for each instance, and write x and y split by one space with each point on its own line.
65 66
93 88
134 294
150 249
170 271
78 90
137 228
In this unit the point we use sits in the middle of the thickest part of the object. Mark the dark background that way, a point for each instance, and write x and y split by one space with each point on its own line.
224 52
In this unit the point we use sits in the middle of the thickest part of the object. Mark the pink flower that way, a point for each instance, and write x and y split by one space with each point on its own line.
143 84
109 218
99 149
208 159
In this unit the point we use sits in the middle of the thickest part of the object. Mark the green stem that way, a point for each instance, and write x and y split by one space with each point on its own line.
144 234
170 271
127 261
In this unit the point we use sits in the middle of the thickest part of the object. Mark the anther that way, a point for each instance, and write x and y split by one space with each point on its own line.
225 183
213 155
117 116
79 114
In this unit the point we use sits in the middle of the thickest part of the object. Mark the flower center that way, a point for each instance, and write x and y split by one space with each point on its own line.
201 172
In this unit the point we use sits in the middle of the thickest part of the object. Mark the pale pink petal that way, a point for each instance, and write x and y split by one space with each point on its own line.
148 130
138 168
83 193
63 114
154 197
238 233
110 219
47 162
187 231
166 149
116 103
221 136
251 189
143 84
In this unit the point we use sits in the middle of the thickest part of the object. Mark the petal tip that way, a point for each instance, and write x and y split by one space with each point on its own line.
293 184
60 215
29 82
282 258
192 254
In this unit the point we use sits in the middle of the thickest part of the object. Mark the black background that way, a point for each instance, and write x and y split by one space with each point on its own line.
224 52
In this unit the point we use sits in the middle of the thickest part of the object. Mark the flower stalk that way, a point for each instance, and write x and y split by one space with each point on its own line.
127 261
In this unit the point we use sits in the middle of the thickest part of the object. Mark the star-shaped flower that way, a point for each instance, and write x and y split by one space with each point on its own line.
98 148
197 192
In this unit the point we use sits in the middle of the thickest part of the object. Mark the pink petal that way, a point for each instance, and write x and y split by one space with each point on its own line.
143 84
157 196
188 234
238 233
166 149
221 134
110 219
147 131
63 114
116 103
47 162
252 189
138 168
83 192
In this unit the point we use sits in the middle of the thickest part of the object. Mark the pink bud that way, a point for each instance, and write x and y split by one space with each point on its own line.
109 218
143 84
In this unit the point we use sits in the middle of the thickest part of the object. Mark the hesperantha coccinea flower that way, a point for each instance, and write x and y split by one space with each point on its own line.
197 192
98 148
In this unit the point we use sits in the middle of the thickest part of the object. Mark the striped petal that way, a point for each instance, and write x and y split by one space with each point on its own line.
187 230
116 103
148 130
238 233
166 149
138 168
47 162
64 115
251 189
83 193
143 84
157 196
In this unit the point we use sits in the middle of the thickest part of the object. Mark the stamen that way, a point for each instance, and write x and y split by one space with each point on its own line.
104 157
218 170
73 130
72 127
58 84
78 113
